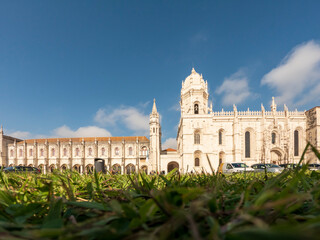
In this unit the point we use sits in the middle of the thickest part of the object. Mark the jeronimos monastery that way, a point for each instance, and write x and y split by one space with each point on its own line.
204 138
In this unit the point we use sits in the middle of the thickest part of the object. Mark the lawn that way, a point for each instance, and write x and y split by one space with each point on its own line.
102 206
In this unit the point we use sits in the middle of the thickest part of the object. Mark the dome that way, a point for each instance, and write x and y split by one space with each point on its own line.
195 81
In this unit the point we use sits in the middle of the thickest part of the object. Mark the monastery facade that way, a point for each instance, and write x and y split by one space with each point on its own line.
205 139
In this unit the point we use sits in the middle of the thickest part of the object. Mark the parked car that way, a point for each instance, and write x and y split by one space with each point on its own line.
272 168
314 167
21 169
289 165
234 168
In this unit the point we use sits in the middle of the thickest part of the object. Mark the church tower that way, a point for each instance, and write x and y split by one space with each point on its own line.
155 139
194 95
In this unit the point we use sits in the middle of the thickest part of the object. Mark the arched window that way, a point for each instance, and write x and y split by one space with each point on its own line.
247 144
273 138
221 136
144 151
20 152
116 151
64 152
196 138
296 143
11 153
77 152
130 151
53 152
103 150
41 152
196 162
196 109
30 152
90 151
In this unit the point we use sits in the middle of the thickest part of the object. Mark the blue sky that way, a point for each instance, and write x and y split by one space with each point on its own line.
92 68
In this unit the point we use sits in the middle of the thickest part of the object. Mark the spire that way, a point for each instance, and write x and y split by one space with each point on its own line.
154 108
273 105
193 71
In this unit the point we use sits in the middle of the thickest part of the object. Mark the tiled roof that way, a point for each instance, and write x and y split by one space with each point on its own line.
170 150
86 139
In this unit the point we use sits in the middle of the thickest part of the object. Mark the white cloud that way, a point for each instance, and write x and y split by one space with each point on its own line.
20 134
297 78
89 131
235 89
131 117
170 143
176 107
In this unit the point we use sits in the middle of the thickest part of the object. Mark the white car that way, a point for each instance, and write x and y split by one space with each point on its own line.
234 168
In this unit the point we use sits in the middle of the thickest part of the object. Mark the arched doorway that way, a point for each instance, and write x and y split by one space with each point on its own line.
51 168
144 168
276 156
130 169
221 157
41 167
116 169
89 168
64 167
172 165
77 168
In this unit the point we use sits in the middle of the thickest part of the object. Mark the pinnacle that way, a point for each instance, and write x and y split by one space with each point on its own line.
154 108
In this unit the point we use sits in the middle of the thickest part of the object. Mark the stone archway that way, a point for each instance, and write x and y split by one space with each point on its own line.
221 157
144 168
77 168
64 167
52 167
130 168
89 168
172 165
276 156
116 169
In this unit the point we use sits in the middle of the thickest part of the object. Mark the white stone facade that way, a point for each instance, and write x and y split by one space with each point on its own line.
205 138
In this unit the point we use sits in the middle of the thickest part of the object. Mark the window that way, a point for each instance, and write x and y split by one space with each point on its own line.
64 152
103 150
130 151
247 144
196 138
196 162
53 152
90 151
196 109
20 152
41 152
11 153
77 152
296 143
273 138
144 151
116 151
30 153
220 136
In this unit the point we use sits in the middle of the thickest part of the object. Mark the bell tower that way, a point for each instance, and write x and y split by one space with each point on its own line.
155 139
194 95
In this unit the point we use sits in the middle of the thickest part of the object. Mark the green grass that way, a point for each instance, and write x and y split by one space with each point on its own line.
102 206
